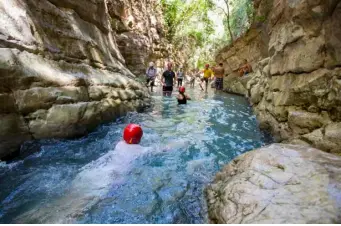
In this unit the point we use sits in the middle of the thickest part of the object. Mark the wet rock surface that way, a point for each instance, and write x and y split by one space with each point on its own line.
62 72
280 183
295 87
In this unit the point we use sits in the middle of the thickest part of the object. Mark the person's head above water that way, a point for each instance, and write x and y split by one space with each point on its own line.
182 89
169 66
132 134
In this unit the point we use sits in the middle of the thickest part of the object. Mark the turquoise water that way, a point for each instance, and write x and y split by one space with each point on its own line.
188 145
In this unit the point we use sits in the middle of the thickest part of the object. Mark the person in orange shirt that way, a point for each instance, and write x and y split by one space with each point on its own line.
207 75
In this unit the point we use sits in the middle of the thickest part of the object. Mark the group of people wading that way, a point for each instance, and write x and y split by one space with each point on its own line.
170 78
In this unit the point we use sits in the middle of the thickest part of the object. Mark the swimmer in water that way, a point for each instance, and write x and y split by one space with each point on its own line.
182 97
94 181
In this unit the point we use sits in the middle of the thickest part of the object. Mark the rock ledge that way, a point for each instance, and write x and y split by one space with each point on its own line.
280 183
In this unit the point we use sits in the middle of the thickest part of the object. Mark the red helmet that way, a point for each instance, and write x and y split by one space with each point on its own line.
207 65
132 134
182 89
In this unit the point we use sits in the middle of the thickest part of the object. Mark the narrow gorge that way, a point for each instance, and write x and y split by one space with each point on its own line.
73 75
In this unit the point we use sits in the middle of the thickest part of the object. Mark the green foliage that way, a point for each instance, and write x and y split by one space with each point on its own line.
181 16
190 26
241 16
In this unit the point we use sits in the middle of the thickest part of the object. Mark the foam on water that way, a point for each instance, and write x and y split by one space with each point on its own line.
88 180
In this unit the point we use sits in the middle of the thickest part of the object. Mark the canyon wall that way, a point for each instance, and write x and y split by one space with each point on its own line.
63 68
140 34
295 90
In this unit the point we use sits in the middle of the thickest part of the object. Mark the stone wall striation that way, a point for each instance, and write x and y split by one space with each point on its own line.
61 71
140 33
295 89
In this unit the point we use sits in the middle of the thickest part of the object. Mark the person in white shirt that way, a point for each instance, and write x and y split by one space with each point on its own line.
151 75
180 76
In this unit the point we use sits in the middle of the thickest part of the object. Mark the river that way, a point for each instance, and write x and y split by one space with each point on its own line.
188 144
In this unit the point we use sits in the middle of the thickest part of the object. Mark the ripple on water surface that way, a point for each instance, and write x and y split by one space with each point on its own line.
158 187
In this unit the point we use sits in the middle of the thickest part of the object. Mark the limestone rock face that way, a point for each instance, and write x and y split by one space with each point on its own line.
140 33
61 71
295 89
279 184
234 84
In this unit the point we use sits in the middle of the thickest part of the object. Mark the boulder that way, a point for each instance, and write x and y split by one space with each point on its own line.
280 183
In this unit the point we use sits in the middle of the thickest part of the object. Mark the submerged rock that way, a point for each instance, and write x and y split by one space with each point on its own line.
280 183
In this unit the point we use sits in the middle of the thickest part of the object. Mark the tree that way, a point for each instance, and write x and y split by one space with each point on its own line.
188 25
227 14
191 29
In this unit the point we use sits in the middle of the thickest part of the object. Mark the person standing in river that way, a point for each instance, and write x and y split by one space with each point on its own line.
151 75
207 75
219 76
180 76
167 80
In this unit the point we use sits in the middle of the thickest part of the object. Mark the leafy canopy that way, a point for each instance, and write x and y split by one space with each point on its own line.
201 26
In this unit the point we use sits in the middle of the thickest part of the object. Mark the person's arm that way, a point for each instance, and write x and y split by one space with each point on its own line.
187 97
163 79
